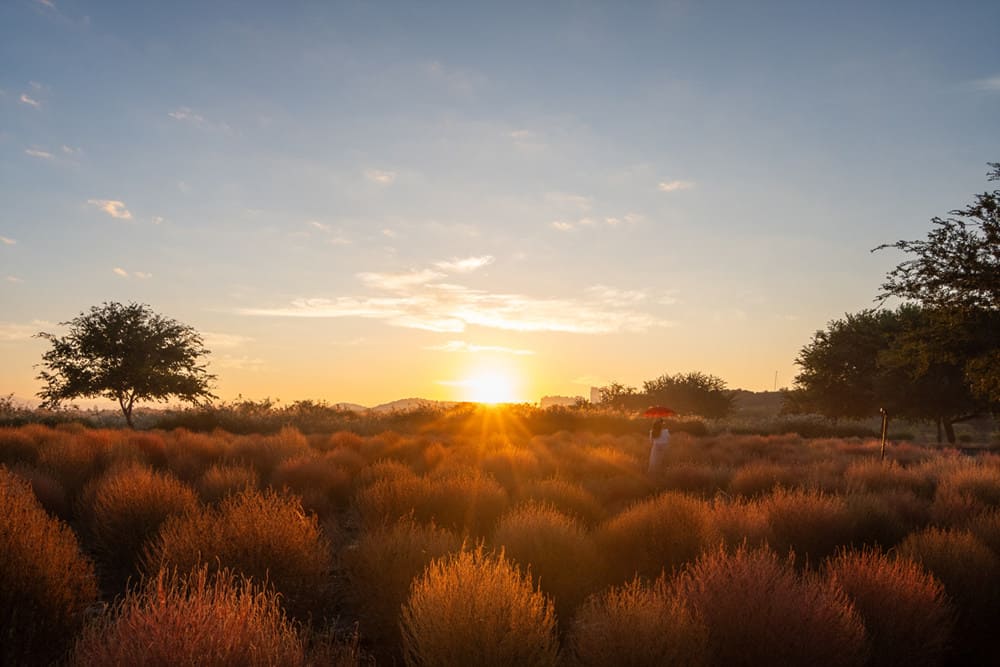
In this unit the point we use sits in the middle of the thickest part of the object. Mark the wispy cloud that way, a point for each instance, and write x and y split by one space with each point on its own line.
394 282
39 153
120 272
332 237
466 265
14 279
380 176
11 331
562 225
70 150
46 3
218 340
142 275
674 186
113 207
30 101
243 363
568 200
462 346
157 219
418 302
990 84
187 115
7 241
612 295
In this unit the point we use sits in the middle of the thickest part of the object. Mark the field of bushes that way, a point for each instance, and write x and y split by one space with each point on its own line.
479 541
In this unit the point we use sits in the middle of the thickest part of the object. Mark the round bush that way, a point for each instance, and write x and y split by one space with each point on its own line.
477 609
45 581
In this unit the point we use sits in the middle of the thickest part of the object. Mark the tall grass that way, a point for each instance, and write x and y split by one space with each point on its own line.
474 608
45 581
265 536
219 620
759 611
906 613
638 625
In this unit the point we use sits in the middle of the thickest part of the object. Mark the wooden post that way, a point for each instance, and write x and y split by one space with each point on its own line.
885 425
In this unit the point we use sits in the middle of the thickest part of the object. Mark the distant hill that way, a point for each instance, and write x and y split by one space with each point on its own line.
407 404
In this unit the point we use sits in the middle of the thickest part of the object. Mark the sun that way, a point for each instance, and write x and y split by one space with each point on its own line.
491 387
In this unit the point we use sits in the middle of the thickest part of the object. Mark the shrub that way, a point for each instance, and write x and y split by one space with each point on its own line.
740 522
188 454
964 492
17 446
514 623
266 452
45 581
555 548
567 497
322 484
379 569
638 625
905 611
758 611
125 507
265 536
196 620
811 523
223 479
881 476
655 535
759 478
47 489
512 467
875 519
695 478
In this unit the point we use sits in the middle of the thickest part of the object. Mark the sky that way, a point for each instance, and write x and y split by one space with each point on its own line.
365 201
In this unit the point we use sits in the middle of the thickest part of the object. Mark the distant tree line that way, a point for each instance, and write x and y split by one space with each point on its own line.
937 355
686 393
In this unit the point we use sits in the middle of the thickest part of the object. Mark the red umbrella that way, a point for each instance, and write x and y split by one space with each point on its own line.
658 411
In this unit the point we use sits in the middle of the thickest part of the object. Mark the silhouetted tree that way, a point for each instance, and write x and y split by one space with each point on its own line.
620 397
126 353
690 393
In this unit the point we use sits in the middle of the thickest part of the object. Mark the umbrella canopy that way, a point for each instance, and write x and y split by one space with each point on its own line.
658 411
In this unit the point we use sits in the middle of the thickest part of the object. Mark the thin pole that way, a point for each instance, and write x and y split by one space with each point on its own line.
885 424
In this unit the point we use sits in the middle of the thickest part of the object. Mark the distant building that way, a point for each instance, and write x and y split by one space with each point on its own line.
565 401
595 395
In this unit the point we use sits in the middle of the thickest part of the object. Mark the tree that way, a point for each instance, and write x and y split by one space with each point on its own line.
910 361
693 393
956 272
126 353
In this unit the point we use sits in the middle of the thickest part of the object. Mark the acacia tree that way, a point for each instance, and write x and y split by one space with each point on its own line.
695 393
127 353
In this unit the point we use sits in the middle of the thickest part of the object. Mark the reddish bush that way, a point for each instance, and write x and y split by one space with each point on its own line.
759 478
45 581
758 611
17 446
322 484
567 497
811 523
223 479
906 613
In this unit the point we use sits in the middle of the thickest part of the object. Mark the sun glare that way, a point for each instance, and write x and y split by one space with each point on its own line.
491 388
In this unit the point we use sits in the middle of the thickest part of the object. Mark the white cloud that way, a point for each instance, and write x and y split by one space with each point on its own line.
216 340
7 241
462 346
156 219
389 234
69 150
142 275
568 200
46 3
380 176
989 84
674 186
399 281
187 115
13 279
36 152
184 187
562 225
466 265
612 295
113 207
30 101
11 331
318 225
118 271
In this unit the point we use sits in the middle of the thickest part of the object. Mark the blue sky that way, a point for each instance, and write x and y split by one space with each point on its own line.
362 201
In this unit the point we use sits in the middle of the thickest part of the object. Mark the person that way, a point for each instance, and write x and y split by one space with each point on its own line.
659 437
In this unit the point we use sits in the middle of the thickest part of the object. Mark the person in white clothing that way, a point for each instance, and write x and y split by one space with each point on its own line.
659 438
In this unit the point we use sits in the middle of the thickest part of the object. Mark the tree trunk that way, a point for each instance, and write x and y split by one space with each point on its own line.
949 430
938 423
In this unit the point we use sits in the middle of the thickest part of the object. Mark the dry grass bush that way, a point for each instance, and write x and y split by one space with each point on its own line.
880 476
17 446
47 489
473 608
378 571
383 469
964 492
189 454
463 500
812 523
654 535
512 467
567 497
740 521
986 527
758 611
265 452
346 458
694 478
321 483
262 535
218 620
224 479
557 550
761 477
341 440
125 507
45 581
152 446
74 462
875 520
637 625
906 613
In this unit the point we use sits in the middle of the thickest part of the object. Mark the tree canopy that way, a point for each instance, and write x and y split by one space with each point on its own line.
686 393
126 353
